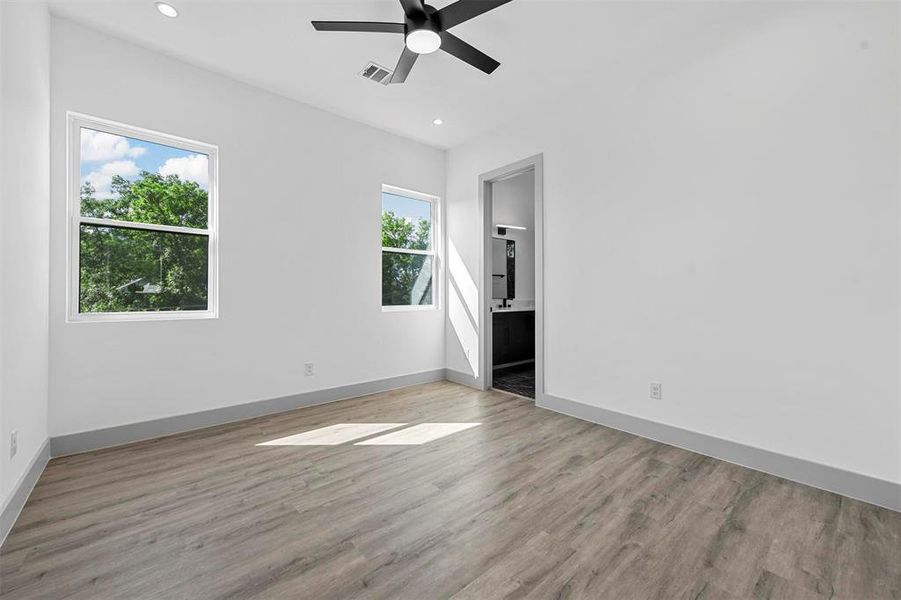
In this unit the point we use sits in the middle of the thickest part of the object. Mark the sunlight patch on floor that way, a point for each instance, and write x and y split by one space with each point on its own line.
417 434
333 434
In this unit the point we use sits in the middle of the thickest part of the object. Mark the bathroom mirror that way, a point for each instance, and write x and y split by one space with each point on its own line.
503 273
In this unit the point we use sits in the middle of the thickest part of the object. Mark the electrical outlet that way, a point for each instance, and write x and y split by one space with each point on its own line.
655 390
13 443
309 369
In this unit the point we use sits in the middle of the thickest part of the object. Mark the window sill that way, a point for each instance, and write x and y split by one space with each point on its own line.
141 316
411 308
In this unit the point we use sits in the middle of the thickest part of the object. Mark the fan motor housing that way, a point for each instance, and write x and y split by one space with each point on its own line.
427 20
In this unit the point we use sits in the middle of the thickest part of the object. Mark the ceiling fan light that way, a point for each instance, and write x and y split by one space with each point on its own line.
166 10
423 41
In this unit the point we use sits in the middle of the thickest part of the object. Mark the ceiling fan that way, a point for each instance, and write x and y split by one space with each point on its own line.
425 30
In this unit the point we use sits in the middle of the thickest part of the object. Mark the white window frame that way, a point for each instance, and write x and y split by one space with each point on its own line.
434 252
75 122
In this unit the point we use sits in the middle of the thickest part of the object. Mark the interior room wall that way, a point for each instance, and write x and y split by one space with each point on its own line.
300 249
513 203
24 235
725 221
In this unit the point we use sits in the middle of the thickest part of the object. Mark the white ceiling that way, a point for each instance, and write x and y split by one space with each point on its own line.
548 49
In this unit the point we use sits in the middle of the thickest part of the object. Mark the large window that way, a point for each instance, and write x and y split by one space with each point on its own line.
408 249
142 208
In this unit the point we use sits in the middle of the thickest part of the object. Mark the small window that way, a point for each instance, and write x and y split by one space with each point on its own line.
408 249
143 236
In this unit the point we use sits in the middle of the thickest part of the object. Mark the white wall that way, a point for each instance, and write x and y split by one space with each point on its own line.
726 222
300 265
24 234
513 203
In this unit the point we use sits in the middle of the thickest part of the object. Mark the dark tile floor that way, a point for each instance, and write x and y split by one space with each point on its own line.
517 380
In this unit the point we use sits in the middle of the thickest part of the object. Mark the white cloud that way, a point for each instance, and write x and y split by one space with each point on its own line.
102 178
97 146
194 167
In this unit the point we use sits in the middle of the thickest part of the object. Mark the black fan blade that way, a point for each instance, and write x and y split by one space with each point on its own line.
404 64
413 7
464 10
457 47
369 26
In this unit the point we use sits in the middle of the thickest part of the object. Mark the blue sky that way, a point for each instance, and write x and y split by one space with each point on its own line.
104 155
407 208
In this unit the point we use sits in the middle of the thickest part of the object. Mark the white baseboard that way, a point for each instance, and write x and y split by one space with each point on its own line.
846 483
124 434
855 485
22 490
462 378
75 443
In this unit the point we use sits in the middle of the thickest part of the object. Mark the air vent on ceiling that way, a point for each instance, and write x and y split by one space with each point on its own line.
376 73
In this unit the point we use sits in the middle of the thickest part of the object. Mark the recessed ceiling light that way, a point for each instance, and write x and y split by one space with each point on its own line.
167 10
438 122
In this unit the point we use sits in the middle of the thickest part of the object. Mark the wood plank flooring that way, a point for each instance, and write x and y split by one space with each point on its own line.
528 504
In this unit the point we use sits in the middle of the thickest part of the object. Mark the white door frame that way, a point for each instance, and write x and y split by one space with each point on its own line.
535 163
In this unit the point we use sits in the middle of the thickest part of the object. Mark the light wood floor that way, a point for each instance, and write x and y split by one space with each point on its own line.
528 504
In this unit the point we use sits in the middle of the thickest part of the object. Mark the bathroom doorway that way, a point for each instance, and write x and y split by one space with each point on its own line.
511 298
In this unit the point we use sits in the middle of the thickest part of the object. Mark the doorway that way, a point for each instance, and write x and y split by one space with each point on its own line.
511 294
